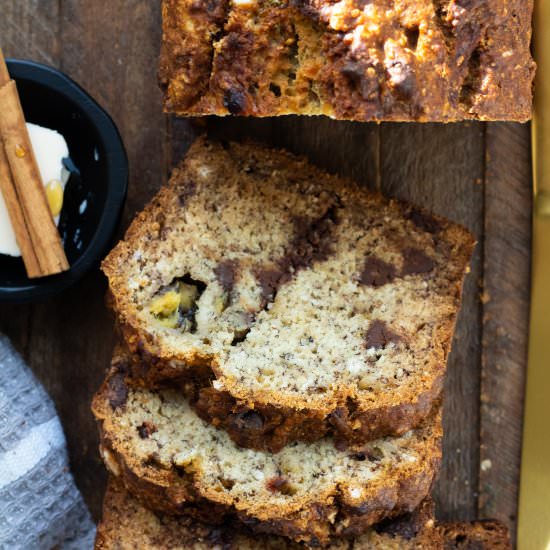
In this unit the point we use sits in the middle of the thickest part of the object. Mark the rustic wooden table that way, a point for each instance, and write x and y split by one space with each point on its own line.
476 174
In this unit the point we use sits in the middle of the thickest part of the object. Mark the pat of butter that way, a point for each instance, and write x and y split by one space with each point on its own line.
50 148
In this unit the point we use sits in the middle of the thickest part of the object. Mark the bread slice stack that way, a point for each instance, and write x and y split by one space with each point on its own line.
171 458
284 336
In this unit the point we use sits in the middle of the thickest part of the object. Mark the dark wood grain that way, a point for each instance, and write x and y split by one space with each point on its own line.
476 174
68 340
508 199
112 51
441 167
30 29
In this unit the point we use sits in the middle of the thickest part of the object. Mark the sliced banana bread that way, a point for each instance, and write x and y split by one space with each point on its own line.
297 303
178 463
423 60
127 524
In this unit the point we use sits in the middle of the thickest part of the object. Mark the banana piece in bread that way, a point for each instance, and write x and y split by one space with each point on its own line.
297 303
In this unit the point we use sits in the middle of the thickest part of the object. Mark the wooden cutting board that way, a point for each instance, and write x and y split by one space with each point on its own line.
476 174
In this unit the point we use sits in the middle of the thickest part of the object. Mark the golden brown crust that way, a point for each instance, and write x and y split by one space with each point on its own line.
427 60
267 427
271 427
126 524
318 519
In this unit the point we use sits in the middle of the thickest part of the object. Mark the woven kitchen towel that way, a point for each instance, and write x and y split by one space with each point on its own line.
40 506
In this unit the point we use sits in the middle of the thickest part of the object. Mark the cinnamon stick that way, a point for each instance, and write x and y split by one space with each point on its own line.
29 188
4 74
17 218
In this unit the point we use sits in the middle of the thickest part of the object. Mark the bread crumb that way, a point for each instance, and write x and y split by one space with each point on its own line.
486 465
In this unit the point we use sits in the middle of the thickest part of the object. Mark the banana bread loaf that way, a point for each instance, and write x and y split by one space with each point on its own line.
127 524
177 463
422 60
295 303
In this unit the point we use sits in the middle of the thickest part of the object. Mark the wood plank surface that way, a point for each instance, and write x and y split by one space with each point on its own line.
476 174
441 167
508 201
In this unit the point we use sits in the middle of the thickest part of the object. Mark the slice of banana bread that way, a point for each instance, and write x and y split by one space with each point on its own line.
297 303
127 524
423 60
177 463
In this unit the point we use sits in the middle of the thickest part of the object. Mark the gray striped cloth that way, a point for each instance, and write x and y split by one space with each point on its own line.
40 506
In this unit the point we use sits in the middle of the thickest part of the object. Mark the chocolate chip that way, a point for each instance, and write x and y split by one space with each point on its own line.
281 485
225 272
424 221
377 272
240 336
234 101
373 454
275 483
416 262
227 483
412 34
275 90
354 70
146 429
117 391
311 243
270 280
356 74
248 420
379 335
153 461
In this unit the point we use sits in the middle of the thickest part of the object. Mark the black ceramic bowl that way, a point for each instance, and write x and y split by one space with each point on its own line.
51 99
